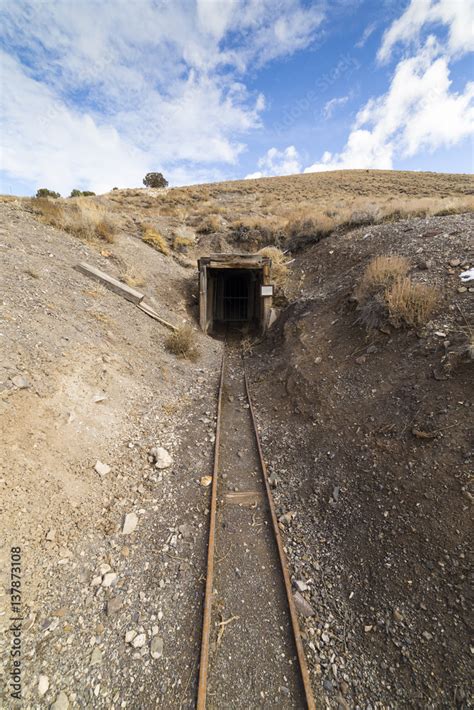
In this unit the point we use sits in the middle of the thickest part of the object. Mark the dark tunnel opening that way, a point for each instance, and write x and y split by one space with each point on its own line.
232 293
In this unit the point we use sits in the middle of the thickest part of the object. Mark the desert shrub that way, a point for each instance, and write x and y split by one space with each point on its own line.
209 225
410 303
105 230
44 192
81 193
181 243
182 343
364 217
155 180
155 240
385 294
379 274
308 230
279 267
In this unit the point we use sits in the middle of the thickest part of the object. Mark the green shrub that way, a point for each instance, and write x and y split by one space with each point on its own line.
81 193
155 180
44 192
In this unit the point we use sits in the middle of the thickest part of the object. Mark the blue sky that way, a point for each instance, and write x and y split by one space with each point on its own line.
95 93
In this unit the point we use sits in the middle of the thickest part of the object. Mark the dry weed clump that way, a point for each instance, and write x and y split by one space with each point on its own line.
155 239
410 303
132 279
209 225
308 230
279 266
182 343
181 244
81 217
385 294
380 274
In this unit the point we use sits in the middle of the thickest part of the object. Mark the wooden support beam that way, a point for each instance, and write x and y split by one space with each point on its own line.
117 286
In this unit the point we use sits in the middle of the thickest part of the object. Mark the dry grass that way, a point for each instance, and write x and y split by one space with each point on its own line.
31 272
410 303
209 225
279 267
156 240
132 279
182 343
386 294
181 243
82 217
380 274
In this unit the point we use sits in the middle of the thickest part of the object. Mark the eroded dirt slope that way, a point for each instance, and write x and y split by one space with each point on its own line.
370 438
85 377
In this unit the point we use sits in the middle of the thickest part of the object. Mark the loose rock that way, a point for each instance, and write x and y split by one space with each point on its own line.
61 702
156 647
161 457
43 685
130 523
102 468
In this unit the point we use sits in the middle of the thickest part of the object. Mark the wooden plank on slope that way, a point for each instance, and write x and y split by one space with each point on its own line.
109 282
153 314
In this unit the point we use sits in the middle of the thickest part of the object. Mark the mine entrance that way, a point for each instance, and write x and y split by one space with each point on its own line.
237 292
234 291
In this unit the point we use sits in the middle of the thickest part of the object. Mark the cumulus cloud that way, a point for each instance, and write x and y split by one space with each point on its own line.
164 83
277 162
420 111
457 15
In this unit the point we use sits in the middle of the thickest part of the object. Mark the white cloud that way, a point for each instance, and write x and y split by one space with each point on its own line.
331 105
55 147
163 82
368 32
419 112
458 15
278 162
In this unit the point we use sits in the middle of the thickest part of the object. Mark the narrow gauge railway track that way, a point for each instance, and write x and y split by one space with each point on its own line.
251 650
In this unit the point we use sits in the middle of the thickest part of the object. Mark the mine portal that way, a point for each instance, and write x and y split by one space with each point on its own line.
235 290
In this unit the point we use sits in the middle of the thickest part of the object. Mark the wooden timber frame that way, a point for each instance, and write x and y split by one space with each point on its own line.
212 274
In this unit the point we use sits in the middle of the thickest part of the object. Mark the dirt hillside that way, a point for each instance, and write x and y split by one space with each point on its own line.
368 433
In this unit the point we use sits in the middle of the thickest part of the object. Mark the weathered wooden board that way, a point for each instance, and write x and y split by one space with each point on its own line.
109 282
153 314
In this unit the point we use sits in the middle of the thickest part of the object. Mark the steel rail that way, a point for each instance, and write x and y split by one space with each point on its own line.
308 691
207 612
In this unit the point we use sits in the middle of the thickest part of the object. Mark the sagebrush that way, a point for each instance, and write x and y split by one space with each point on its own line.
182 343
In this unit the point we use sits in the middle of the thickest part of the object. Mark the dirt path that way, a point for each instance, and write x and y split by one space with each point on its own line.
253 660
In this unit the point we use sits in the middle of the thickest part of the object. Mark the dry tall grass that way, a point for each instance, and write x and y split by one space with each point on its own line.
279 266
380 274
386 294
410 303
182 343
81 217
155 239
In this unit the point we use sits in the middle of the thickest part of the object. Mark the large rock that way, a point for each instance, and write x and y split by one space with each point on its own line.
43 685
161 457
156 647
102 468
130 523
61 702
304 607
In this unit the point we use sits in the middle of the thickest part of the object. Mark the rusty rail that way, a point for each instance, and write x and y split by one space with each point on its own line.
207 613
308 691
